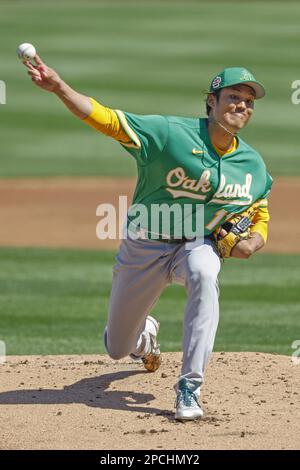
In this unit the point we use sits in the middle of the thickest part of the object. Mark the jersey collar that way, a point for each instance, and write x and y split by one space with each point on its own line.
203 128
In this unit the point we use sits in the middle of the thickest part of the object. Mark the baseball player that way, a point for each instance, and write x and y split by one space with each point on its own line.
201 162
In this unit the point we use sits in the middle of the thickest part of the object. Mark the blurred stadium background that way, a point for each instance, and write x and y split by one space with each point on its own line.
147 57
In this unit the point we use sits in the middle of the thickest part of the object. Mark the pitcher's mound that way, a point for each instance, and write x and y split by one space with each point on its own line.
251 401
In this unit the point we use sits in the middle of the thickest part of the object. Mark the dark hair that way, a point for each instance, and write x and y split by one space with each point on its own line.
216 94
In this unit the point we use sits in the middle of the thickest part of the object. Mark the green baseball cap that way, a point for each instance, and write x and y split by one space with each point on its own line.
237 76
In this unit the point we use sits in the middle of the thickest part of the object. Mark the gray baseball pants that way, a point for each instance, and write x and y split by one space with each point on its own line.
144 268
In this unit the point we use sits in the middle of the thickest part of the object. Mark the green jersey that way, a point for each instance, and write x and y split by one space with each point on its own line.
178 165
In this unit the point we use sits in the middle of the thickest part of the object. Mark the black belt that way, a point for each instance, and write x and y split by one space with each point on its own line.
174 240
184 239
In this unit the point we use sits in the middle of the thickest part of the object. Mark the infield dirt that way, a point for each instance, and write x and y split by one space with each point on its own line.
251 401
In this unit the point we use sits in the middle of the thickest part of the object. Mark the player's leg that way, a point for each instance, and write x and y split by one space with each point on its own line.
138 280
198 270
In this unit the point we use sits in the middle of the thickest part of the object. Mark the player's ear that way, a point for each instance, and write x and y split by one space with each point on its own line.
211 100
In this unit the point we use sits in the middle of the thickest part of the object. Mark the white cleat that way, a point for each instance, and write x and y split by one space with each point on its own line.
188 407
152 360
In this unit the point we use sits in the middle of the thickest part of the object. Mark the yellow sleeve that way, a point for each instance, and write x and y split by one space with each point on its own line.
260 221
105 120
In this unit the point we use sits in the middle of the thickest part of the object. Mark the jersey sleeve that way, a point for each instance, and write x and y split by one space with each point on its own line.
106 121
260 222
148 134
262 216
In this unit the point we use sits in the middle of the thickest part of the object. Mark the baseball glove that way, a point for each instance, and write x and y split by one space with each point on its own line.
234 230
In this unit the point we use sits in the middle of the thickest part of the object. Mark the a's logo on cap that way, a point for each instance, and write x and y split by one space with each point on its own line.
246 76
216 82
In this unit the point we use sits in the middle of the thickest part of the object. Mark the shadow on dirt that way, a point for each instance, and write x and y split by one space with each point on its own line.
90 392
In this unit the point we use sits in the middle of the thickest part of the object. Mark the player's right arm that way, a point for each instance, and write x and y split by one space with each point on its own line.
93 113
144 137
49 80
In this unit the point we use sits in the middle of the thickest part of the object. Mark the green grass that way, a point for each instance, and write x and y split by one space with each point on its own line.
144 57
55 302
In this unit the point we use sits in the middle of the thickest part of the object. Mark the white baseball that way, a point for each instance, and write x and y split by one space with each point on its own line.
26 51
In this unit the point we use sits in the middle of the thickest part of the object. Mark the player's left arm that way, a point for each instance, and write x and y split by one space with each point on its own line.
259 233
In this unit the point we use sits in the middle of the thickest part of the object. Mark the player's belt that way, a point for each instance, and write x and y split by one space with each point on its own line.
175 240
147 235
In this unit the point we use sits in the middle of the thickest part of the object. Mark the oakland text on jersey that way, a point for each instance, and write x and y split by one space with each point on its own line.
225 192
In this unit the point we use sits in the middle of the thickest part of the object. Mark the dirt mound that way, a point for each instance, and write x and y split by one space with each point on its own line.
251 401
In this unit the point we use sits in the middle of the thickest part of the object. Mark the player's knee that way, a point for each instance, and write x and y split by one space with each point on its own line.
116 355
115 351
202 276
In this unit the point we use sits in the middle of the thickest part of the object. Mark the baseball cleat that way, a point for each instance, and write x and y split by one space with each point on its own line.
187 404
152 360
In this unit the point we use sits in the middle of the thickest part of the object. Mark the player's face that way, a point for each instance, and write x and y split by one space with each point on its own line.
235 106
